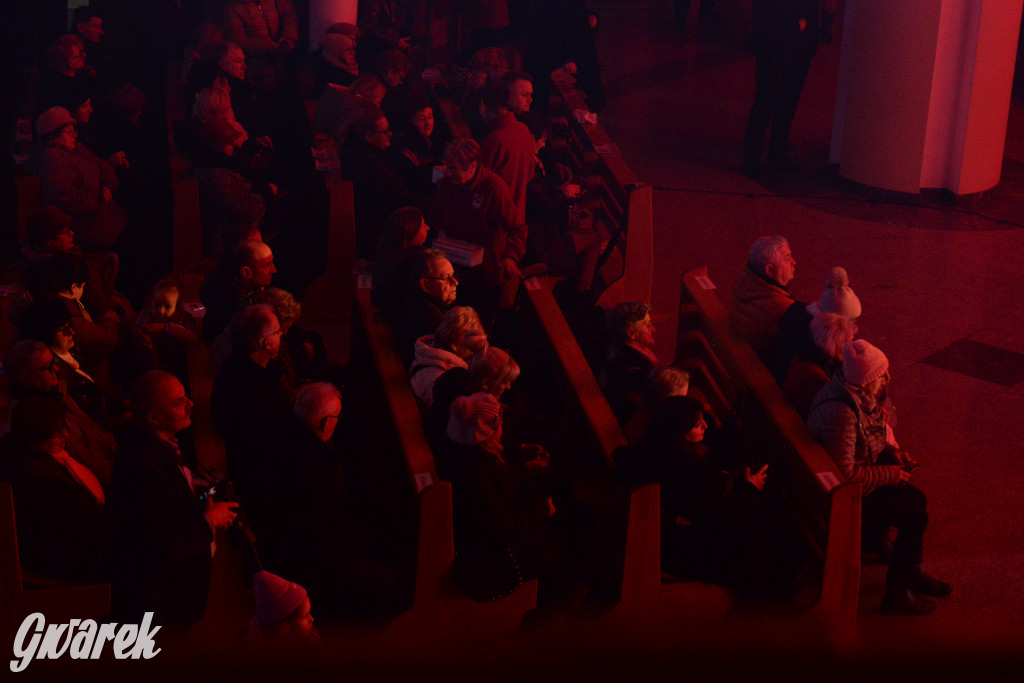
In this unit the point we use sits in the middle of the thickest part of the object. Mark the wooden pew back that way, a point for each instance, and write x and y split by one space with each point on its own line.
593 437
729 375
618 204
388 410
58 601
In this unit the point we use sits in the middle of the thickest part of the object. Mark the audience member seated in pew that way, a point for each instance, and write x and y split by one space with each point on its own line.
296 503
231 209
224 69
475 206
165 331
303 353
399 247
458 337
48 321
760 296
629 358
50 233
59 504
492 371
386 26
267 33
339 107
284 613
392 67
64 70
378 188
417 308
662 382
417 146
248 400
165 532
795 339
808 373
98 333
33 372
506 527
77 181
240 275
220 141
335 60
715 526
206 38
105 140
848 419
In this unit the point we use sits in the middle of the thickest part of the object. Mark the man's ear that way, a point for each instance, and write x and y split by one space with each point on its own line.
245 272
423 287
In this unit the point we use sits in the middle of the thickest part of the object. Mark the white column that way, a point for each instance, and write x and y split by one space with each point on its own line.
323 13
924 93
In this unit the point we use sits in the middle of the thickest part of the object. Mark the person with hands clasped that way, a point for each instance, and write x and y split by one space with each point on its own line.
848 419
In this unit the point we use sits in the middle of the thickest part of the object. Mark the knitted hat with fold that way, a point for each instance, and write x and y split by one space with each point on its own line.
863 362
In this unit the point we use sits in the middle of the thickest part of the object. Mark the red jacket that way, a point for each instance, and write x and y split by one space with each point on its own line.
482 212
509 150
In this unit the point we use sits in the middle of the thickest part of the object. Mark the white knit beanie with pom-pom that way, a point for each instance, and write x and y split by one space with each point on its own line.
837 296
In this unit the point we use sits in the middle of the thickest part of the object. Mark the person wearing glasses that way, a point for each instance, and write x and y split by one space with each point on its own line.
248 401
427 294
34 372
377 186
849 420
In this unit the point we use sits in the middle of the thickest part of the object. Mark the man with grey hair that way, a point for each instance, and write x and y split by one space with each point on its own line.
299 509
760 296
248 402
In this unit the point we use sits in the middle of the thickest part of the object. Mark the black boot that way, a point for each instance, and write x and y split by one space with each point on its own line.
925 584
903 601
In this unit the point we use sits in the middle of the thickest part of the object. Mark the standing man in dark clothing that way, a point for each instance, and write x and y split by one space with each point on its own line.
786 34
164 533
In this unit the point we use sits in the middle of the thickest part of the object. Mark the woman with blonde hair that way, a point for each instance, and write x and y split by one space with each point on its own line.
458 337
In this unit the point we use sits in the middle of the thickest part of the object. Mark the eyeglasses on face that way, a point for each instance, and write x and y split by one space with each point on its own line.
451 279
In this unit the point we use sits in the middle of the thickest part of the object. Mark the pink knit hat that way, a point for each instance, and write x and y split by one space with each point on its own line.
863 362
474 419
837 297
276 598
